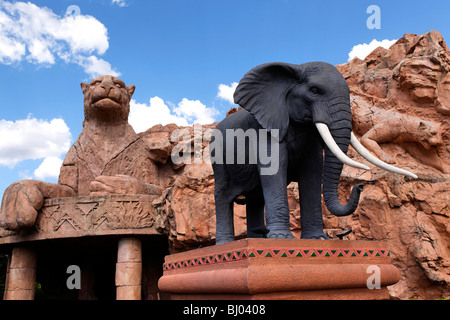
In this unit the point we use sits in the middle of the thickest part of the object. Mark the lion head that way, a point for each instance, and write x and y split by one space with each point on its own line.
428 134
107 99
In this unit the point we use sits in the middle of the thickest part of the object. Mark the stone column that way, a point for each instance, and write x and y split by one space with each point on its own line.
129 269
22 275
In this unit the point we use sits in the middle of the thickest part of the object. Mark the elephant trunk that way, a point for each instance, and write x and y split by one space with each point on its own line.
331 174
341 133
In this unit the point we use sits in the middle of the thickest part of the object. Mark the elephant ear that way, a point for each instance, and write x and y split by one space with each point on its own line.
264 90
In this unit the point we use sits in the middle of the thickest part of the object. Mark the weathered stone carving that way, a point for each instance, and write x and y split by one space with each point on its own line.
90 215
379 126
107 158
129 215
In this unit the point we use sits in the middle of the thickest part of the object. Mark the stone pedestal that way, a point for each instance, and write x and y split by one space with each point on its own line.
281 269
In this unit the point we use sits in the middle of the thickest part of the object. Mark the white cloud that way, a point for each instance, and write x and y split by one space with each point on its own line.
195 112
226 92
10 50
95 66
120 3
32 139
363 50
82 33
49 168
37 35
143 116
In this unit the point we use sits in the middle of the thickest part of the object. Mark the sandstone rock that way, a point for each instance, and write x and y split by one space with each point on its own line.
187 205
410 117
158 139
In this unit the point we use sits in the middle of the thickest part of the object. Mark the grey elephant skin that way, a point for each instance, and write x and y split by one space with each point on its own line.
292 102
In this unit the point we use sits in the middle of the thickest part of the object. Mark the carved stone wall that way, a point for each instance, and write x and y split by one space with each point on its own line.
90 215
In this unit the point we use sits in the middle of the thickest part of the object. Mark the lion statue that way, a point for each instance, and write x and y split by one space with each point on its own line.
107 158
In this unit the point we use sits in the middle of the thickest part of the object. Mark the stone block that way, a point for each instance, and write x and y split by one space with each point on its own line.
280 269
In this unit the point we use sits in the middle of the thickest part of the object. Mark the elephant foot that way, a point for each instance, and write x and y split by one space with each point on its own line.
280 234
314 235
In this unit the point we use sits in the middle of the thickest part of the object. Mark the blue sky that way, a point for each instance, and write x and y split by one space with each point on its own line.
182 55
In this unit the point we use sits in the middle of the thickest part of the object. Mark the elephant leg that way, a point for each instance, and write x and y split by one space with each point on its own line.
256 227
224 205
310 195
224 221
276 201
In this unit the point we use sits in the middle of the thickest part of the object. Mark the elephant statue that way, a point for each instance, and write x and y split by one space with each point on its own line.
302 113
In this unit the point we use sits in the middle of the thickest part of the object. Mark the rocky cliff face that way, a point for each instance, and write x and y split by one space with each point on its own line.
401 112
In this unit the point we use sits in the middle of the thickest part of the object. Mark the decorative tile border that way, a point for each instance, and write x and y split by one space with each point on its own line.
275 253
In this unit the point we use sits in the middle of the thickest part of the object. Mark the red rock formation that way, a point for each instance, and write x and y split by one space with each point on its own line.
401 106
400 100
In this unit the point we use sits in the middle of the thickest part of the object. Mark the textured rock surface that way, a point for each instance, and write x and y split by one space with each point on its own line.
400 100
401 106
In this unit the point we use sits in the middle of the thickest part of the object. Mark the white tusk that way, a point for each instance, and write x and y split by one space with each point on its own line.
334 148
371 158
